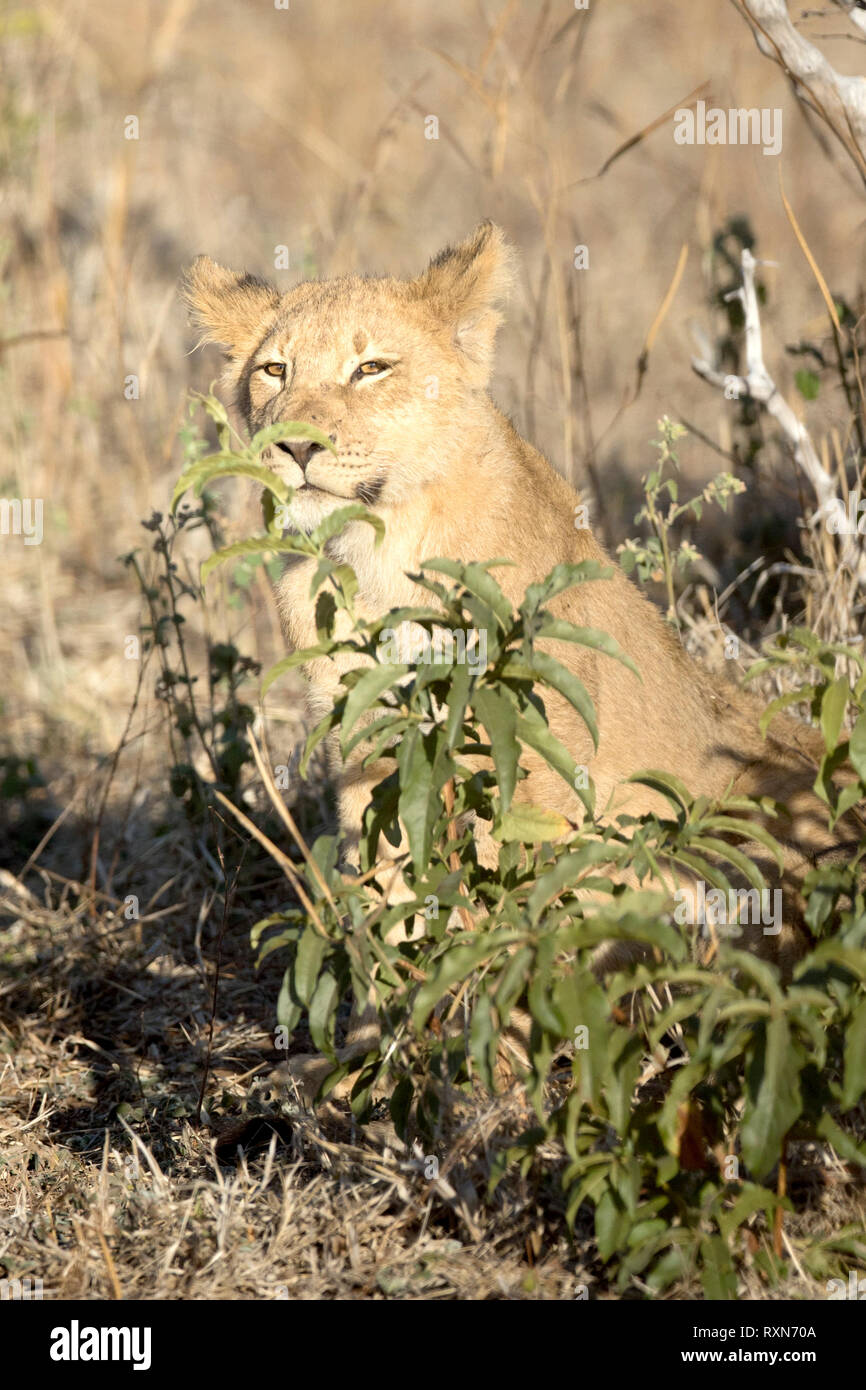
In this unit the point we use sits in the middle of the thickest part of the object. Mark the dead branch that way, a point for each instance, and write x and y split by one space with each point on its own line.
758 385
840 100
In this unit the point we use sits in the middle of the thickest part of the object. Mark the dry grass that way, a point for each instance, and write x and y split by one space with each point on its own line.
261 128
109 1188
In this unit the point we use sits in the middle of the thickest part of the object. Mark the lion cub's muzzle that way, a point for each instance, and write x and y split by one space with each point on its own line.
302 450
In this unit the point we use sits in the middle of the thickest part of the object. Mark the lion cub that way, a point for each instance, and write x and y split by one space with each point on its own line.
396 373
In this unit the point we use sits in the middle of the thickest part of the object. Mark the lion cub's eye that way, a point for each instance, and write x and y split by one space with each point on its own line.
274 368
370 369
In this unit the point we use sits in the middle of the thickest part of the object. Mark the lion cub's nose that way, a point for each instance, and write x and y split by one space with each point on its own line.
301 450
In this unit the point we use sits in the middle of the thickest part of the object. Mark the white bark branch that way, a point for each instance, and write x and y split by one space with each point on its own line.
759 386
841 100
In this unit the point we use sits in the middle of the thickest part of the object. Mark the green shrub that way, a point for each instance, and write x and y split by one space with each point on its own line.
673 1088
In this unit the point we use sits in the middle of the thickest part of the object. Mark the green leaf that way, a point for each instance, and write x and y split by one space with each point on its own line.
833 706
497 714
718 1275
308 963
335 521
834 952
512 981
670 787
530 825
276 919
612 1223
458 698
849 796
288 1009
401 1105
458 962
256 545
808 384
532 730
554 674
845 1145
228 466
749 830
314 738
621 1079
567 870
855 1058
484 1040
750 871
289 663
583 1004
541 988
773 1090
477 580
857 747
379 736
558 629
791 697
211 406
750 1198
672 1265
562 577
289 429
367 691
419 796
322 1013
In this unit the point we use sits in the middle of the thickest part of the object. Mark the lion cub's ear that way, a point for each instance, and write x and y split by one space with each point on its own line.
228 307
463 284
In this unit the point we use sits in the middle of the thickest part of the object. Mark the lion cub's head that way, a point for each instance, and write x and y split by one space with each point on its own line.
394 371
